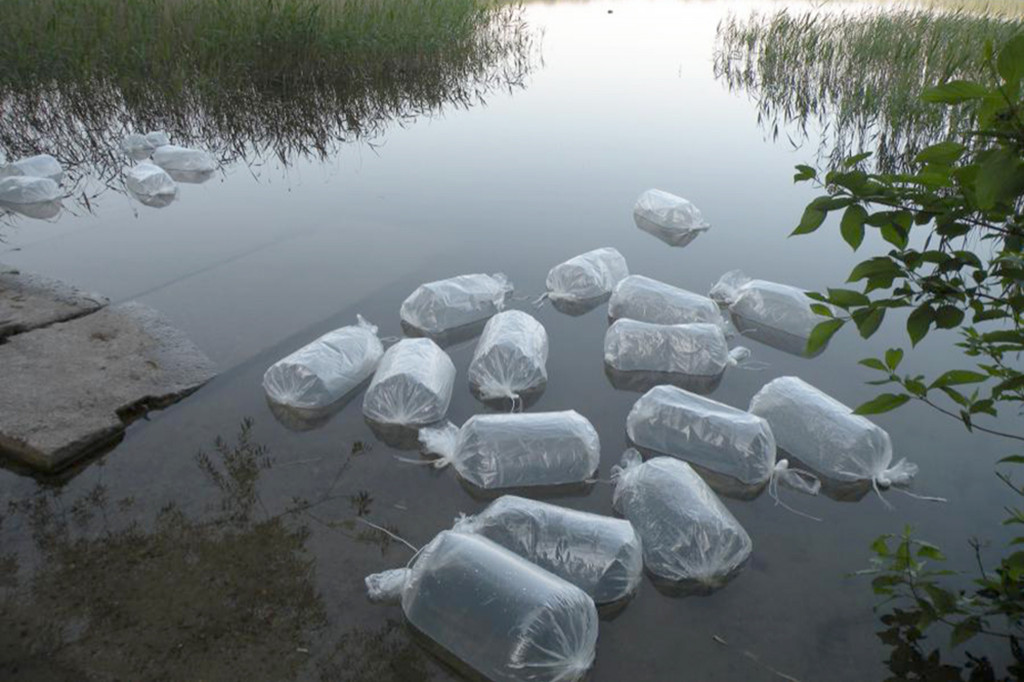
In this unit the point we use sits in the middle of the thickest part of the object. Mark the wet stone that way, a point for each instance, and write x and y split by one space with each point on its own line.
70 389
29 302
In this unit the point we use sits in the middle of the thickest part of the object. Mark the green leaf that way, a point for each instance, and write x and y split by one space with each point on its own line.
956 377
948 317
852 161
821 334
929 551
943 153
954 92
997 177
822 309
874 363
879 265
964 630
852 226
1010 62
868 320
811 221
883 403
804 173
1012 459
847 297
919 322
893 356
880 545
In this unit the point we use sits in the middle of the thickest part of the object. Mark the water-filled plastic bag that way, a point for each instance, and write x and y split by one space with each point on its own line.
672 219
511 356
504 617
588 276
174 158
321 372
412 386
687 533
28 190
697 349
512 450
436 307
149 180
648 300
39 166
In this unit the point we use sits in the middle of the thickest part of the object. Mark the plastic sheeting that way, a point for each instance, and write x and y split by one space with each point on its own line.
671 219
693 349
28 190
501 615
687 533
413 384
756 304
512 450
322 372
174 158
147 179
647 300
825 435
703 431
39 166
599 554
437 307
511 356
588 276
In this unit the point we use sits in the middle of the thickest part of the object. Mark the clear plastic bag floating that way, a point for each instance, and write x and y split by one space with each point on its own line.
412 386
322 372
147 179
174 158
599 554
687 533
672 219
696 350
647 300
22 189
586 278
444 305
139 146
777 314
493 451
726 440
510 358
504 617
39 166
825 435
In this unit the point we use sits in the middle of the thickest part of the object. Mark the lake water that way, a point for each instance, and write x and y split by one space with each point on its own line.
259 261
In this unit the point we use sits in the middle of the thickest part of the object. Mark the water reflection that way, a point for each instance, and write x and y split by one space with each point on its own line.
44 210
640 381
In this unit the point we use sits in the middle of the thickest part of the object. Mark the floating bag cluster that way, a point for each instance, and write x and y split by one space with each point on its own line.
494 451
648 300
718 437
511 356
501 615
39 166
693 349
28 190
320 373
599 554
139 146
686 531
437 307
147 179
825 435
671 219
589 276
412 386
174 158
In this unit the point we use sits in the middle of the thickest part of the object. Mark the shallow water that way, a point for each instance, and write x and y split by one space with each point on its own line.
258 261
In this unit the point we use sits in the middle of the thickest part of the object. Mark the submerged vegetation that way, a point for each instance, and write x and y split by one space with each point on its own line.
853 78
242 78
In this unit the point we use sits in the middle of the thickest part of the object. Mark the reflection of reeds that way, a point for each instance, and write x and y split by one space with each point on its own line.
858 77
271 78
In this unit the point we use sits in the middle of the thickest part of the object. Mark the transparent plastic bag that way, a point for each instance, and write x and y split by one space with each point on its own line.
756 304
586 277
686 531
511 356
693 349
39 166
28 190
174 158
599 554
147 179
322 372
139 146
501 615
824 434
517 450
446 304
671 219
647 300
412 386
718 437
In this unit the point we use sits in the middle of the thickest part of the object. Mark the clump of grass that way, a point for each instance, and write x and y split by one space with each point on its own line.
857 76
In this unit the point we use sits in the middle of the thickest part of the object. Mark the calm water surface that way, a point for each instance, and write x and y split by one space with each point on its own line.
256 262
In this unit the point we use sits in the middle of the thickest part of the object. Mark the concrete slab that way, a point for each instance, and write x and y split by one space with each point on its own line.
29 302
70 389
